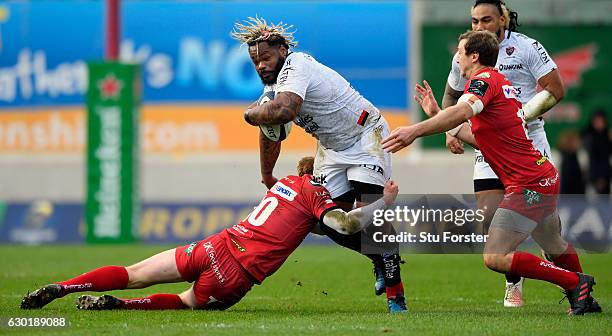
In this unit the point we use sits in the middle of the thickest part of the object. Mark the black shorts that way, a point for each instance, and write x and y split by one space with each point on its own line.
488 184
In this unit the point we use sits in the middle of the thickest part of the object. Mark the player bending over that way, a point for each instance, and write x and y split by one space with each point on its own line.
350 161
225 266
531 182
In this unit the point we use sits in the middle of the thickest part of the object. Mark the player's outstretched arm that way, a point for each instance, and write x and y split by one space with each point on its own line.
355 220
443 121
282 109
268 155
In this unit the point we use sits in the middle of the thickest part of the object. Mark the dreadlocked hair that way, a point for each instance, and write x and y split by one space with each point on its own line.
255 30
512 23
510 16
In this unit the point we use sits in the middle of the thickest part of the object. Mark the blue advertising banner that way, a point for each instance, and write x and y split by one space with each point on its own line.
187 53
586 223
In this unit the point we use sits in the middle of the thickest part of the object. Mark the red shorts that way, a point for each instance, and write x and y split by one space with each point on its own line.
536 201
220 282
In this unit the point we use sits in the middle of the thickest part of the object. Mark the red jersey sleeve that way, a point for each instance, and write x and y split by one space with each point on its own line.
317 198
483 86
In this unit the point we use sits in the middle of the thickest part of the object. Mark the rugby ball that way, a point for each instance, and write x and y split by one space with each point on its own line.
273 132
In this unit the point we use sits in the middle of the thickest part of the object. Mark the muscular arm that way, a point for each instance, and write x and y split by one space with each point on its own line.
450 96
553 92
445 120
282 109
553 83
353 221
268 154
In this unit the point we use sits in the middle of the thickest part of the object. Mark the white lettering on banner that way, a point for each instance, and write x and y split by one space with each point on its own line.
589 221
209 66
58 130
107 222
31 77
168 136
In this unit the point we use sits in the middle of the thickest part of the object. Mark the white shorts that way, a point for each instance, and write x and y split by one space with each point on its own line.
482 170
365 161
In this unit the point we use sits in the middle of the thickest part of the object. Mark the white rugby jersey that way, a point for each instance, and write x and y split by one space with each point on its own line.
333 111
522 60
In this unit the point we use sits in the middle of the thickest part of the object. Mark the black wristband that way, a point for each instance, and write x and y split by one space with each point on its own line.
247 119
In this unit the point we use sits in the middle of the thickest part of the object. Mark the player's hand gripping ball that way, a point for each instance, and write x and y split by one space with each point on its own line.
273 132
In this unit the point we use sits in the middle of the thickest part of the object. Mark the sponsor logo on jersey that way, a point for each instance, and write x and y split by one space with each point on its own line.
190 248
531 197
241 231
541 160
507 67
282 78
509 51
212 255
509 91
478 87
238 246
284 191
318 180
549 181
543 54
373 168
306 122
323 193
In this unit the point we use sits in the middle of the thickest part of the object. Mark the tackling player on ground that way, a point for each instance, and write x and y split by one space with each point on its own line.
525 62
225 266
349 162
498 129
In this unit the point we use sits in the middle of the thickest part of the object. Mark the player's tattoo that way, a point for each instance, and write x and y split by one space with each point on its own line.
282 109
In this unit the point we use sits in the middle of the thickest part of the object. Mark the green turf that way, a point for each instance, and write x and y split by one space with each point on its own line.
320 290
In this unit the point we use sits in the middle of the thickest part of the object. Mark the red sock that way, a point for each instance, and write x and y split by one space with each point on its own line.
155 301
394 290
99 280
529 266
569 260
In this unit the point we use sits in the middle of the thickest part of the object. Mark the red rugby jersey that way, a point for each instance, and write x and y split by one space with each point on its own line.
501 133
275 228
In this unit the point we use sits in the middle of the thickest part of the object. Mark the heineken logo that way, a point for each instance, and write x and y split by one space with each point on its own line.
110 87
107 220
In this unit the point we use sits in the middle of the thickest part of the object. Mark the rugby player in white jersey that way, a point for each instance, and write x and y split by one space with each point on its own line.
350 162
526 63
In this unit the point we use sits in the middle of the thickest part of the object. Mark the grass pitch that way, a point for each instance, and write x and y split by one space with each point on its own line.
320 290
